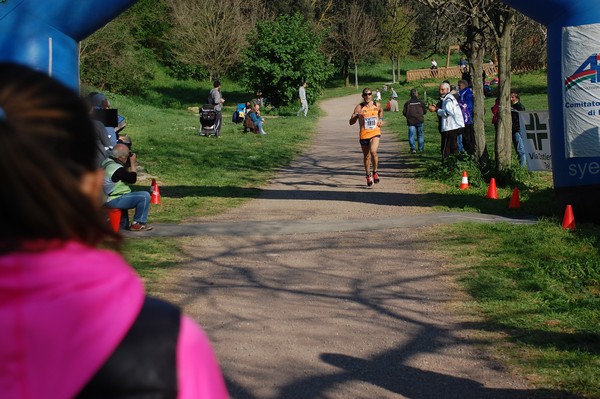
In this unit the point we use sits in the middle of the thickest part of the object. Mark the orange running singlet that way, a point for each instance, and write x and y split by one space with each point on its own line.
369 116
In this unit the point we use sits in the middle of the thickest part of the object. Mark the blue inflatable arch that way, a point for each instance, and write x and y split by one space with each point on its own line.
44 34
573 98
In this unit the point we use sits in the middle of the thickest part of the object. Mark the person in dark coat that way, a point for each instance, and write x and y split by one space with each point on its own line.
414 110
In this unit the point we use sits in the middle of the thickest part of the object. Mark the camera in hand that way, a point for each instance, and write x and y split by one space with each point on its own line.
109 117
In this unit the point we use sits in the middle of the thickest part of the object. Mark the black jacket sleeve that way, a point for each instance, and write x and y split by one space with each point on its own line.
123 175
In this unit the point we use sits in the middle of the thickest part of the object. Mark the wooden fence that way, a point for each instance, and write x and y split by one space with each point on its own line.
443 73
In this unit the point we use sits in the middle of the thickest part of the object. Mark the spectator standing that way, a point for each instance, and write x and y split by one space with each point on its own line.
394 101
100 102
215 98
116 179
394 104
515 101
468 133
303 102
370 119
495 111
466 75
451 120
258 99
103 143
414 110
74 319
462 64
434 64
377 95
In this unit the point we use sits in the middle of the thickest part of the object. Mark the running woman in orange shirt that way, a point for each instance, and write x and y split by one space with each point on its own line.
369 114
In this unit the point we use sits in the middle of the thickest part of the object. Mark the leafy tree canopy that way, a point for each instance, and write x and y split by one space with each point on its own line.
281 54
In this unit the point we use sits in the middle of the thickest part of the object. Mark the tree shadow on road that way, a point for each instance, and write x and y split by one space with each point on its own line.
389 302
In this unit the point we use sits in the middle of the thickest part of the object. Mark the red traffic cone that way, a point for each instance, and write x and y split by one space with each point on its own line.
464 182
492 192
114 216
515 202
155 193
569 219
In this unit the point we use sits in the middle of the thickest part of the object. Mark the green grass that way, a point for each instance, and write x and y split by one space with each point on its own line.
535 286
198 175
152 257
538 286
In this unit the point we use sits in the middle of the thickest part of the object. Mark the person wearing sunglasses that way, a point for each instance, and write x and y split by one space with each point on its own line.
369 114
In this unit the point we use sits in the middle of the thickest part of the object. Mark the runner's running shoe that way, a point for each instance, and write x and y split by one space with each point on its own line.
375 177
369 180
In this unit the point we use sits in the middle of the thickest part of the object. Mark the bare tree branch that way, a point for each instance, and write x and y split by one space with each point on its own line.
212 33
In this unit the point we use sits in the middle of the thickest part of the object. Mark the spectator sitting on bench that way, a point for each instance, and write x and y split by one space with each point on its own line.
257 120
119 171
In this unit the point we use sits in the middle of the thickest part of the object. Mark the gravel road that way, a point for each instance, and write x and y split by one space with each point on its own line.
323 288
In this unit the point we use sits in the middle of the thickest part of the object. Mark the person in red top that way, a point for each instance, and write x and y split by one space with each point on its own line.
369 114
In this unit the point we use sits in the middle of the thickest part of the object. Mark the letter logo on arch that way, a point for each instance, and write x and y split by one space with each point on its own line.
589 70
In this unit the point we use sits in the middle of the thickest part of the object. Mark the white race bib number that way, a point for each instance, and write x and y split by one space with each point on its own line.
370 123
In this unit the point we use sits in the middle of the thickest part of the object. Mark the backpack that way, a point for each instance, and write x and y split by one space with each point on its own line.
465 110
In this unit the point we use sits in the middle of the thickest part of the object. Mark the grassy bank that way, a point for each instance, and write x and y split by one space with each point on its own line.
199 175
535 289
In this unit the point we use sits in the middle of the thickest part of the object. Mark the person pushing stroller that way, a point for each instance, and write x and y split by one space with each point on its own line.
215 99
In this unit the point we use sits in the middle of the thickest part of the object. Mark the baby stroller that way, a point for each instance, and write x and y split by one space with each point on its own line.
239 113
209 125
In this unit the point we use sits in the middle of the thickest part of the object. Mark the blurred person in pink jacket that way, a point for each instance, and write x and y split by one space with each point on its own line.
74 319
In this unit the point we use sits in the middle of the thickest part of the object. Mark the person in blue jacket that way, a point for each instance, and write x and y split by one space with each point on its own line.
257 119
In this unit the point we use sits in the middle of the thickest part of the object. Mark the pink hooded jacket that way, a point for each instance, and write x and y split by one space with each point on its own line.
63 311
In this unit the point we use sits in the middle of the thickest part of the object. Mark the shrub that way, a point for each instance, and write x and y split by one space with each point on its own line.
453 166
111 60
281 54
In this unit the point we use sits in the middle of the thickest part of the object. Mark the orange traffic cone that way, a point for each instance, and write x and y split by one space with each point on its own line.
492 192
155 193
515 202
464 182
569 219
114 216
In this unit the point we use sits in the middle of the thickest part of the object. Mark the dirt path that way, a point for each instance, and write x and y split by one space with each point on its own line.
322 288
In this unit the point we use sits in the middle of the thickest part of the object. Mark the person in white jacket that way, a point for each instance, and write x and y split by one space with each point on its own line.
451 120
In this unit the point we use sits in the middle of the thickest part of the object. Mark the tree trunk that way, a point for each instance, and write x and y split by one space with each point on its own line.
356 75
504 133
346 72
475 51
393 70
398 65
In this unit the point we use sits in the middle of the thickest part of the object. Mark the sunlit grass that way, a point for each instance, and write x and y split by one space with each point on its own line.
539 286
